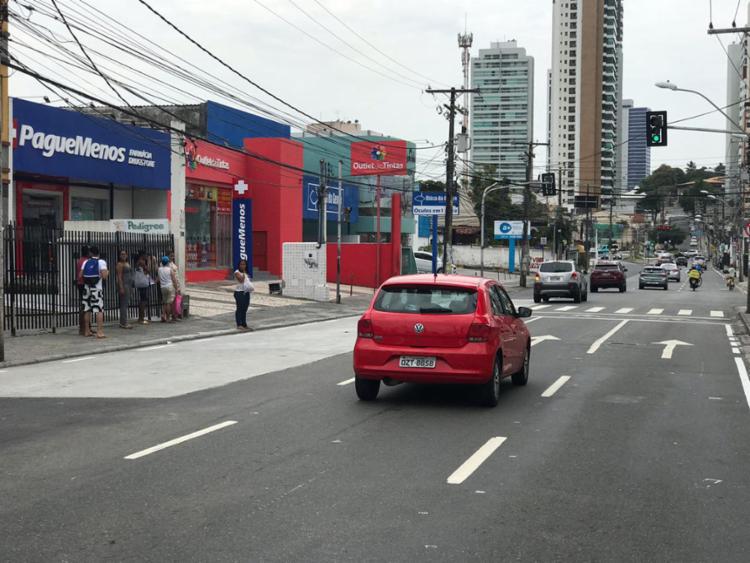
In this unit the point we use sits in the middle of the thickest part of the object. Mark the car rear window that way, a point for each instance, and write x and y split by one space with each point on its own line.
430 299
556 267
652 270
606 267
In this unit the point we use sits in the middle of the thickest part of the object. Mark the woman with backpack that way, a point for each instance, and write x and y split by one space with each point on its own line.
94 272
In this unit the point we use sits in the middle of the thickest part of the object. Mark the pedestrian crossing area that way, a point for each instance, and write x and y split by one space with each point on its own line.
646 311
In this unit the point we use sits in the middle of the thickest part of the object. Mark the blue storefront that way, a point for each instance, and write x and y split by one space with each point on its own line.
70 166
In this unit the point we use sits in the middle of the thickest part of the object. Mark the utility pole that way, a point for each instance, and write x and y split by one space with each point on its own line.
527 211
611 212
338 237
558 218
4 169
322 205
450 172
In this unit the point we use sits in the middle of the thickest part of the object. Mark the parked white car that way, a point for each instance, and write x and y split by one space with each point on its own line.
424 262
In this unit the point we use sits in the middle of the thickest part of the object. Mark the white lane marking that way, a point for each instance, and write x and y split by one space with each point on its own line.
719 314
730 332
538 307
159 347
537 339
478 458
735 350
595 346
595 309
181 439
566 308
347 382
74 360
624 310
715 399
533 319
669 346
685 312
552 389
655 312
743 378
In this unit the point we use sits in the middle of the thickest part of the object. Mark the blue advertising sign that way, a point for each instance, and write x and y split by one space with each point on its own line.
423 226
59 142
508 230
431 203
310 201
242 232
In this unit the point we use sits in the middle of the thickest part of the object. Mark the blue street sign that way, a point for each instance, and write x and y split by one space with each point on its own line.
431 203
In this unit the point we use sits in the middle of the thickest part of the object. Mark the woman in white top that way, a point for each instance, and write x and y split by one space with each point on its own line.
167 283
242 292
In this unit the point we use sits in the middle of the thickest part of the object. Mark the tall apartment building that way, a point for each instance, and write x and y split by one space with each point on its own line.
586 91
502 117
638 152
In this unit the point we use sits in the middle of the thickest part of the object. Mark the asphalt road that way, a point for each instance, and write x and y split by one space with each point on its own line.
636 456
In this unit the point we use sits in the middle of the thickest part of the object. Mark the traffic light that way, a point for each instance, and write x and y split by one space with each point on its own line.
656 128
548 184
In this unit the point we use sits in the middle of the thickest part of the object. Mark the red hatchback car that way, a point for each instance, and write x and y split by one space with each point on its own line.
441 329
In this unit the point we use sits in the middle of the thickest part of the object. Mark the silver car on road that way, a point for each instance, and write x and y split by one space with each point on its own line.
560 278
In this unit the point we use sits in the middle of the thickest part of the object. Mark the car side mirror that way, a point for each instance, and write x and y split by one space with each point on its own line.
523 312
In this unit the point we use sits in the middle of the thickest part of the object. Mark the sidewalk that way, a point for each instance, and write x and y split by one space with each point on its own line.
211 314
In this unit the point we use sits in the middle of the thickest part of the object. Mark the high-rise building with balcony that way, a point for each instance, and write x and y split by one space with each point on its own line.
586 94
502 118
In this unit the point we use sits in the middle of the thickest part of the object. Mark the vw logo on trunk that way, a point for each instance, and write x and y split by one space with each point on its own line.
419 328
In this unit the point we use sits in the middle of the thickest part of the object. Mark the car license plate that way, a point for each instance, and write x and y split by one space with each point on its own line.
555 278
417 362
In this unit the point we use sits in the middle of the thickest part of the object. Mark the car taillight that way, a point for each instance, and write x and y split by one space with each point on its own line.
574 276
479 332
364 328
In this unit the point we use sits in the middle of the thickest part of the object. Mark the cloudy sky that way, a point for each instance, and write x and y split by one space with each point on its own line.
406 45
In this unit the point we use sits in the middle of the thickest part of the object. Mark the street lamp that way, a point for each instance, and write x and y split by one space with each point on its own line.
491 188
670 86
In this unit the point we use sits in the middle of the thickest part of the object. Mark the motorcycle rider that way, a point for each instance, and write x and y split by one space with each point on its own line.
694 275
729 277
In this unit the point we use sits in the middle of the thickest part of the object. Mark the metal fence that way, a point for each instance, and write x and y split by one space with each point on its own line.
40 274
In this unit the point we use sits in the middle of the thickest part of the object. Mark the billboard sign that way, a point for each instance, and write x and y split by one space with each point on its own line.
59 142
508 230
379 158
431 203
242 229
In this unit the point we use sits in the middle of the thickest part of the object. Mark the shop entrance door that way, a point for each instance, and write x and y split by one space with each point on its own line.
260 250
43 210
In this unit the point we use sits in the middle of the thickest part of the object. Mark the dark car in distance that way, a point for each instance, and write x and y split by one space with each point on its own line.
608 275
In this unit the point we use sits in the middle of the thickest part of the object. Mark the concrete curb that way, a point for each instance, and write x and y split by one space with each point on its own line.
744 320
165 340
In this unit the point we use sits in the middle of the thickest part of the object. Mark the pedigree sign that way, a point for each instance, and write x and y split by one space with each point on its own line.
379 158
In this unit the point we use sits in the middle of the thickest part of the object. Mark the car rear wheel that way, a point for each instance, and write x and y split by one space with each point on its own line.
537 299
491 389
577 295
367 389
545 299
522 376
585 296
666 286
623 288
640 286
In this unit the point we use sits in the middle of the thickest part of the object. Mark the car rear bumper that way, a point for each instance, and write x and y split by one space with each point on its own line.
471 363
606 282
555 289
652 282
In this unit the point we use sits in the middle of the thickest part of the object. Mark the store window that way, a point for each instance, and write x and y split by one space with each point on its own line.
208 227
89 209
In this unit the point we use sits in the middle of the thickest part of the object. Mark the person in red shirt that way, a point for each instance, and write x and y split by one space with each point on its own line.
85 255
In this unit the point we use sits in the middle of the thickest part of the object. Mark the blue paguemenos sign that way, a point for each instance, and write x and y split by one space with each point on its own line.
59 142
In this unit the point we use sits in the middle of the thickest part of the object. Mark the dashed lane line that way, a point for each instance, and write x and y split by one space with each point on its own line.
180 440
478 458
74 360
623 311
552 389
743 378
655 312
729 330
345 382
566 308
685 312
597 344
595 309
717 314
540 307
735 350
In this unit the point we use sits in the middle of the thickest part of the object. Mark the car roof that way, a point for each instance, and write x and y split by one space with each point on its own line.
455 280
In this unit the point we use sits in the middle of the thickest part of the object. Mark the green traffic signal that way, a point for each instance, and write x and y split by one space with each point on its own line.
656 138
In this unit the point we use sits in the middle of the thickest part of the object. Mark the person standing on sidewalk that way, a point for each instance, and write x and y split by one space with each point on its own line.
167 283
79 283
94 272
177 289
124 275
242 292
143 284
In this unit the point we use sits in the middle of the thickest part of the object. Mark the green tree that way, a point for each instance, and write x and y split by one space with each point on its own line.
431 186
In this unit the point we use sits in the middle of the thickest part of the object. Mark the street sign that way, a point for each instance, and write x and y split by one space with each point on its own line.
543 241
508 230
431 203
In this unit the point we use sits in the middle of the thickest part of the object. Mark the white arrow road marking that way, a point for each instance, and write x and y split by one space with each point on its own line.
181 439
685 312
537 339
552 389
478 458
624 310
597 344
669 346
719 314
